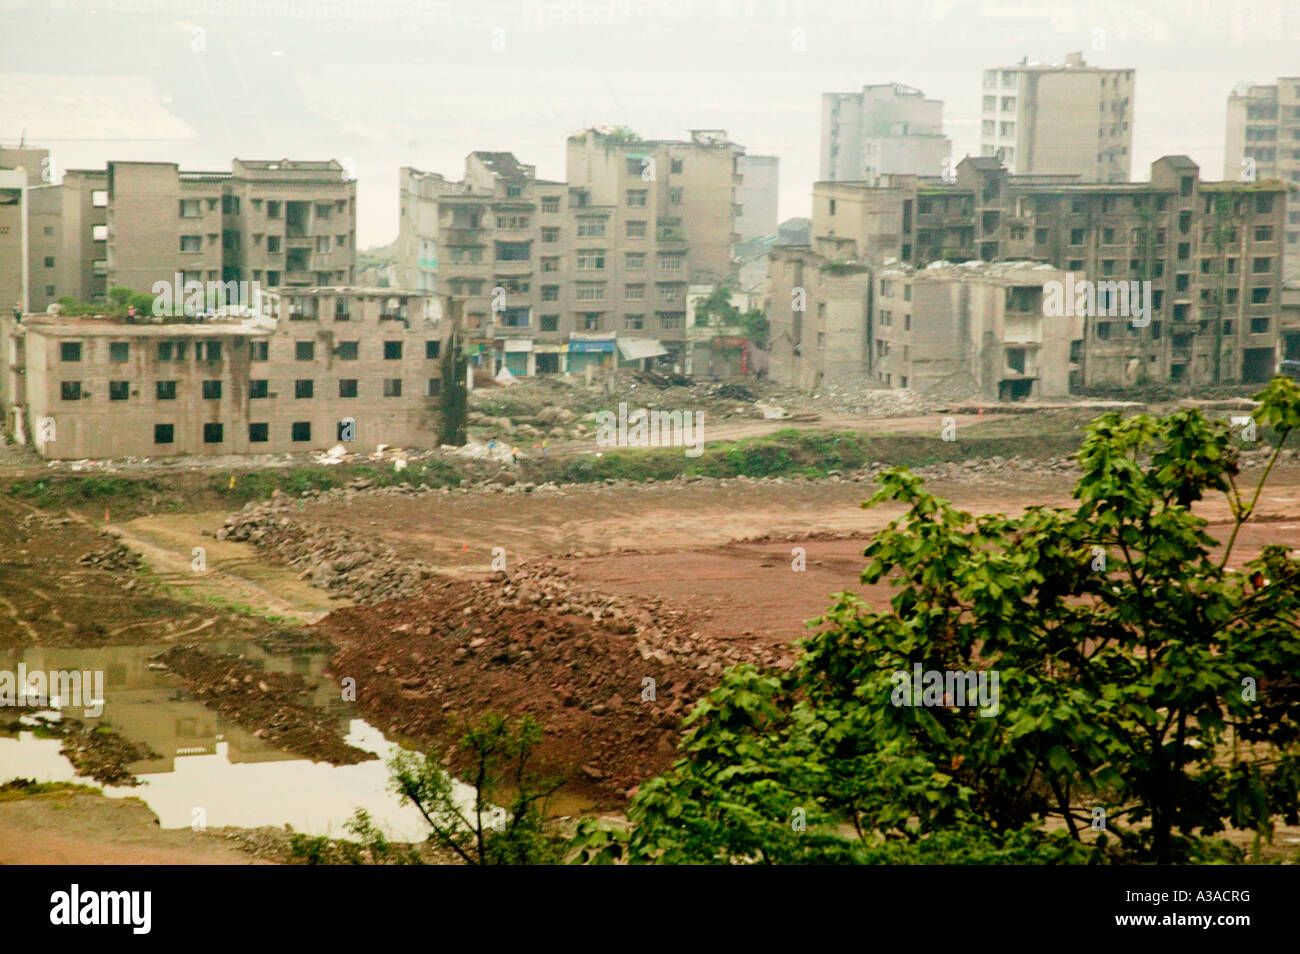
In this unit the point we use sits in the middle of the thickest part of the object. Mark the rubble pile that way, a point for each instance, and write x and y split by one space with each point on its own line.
357 568
609 679
116 557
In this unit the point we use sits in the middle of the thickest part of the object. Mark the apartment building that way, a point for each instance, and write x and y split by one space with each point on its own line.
550 275
886 128
981 327
328 365
757 196
1059 118
819 318
278 223
136 223
1263 141
1212 252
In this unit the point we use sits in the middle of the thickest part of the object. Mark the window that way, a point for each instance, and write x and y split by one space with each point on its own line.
514 191
322 243
300 431
590 291
1076 236
675 196
258 433
259 350
191 243
550 264
304 350
119 351
392 387
303 388
550 293
551 203
119 390
165 390
677 165
636 229
634 322
550 235
433 387
636 198
99 198
1040 236
272 277
213 352
163 433
635 260
672 263
635 293
347 387
1261 265
1264 233
591 228
274 208
70 390
1259 296
1263 204
212 433
392 350
591 259
432 350
347 350
70 351
257 388
1259 326
550 322
191 209
513 251
273 243
212 389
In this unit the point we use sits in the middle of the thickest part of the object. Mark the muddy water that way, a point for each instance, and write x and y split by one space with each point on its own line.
208 769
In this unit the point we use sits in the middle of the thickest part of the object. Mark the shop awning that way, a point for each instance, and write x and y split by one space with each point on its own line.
636 349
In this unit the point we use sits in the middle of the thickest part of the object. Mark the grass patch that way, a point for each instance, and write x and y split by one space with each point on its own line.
19 788
792 452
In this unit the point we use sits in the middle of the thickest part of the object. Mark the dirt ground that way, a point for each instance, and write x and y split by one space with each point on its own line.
76 828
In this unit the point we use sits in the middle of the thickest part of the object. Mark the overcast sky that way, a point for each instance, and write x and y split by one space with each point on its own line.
386 83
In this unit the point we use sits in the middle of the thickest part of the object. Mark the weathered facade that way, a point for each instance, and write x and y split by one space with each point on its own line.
885 129
1263 141
549 275
1212 252
281 383
1068 118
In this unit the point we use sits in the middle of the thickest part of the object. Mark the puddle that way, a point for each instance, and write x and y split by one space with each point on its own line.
205 761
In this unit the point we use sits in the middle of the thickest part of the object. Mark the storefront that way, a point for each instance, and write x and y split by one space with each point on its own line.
590 350
518 356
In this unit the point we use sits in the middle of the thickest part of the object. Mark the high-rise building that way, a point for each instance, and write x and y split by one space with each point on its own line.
1210 251
757 195
548 276
1263 141
1066 118
886 128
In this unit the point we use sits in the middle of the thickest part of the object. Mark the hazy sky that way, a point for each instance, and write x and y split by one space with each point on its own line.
386 83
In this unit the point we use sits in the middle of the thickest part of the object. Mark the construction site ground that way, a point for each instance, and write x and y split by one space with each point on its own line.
595 574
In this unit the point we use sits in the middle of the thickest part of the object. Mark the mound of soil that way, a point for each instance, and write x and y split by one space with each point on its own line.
608 679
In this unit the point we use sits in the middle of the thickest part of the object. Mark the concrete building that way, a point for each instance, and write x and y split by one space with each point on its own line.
279 383
757 195
549 276
819 316
886 128
1059 118
14 270
136 223
979 327
1212 252
1263 141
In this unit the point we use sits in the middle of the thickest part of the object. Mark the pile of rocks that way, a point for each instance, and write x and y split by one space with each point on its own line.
115 557
360 569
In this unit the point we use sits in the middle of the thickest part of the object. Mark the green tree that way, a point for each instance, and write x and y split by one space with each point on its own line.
1141 675
756 326
506 823
716 308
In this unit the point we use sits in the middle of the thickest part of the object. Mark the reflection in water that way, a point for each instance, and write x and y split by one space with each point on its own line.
209 763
